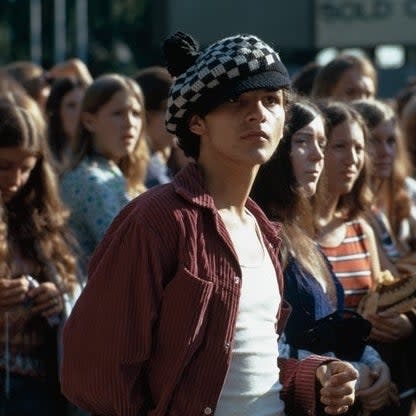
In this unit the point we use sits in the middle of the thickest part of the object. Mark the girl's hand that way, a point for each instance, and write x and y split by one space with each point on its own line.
365 378
390 326
13 292
378 394
47 299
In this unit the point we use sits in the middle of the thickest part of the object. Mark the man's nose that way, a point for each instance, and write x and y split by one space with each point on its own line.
256 110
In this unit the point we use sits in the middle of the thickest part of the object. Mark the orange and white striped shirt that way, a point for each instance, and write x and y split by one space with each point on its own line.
351 263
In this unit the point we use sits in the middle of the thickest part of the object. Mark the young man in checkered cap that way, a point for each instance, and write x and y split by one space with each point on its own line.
180 312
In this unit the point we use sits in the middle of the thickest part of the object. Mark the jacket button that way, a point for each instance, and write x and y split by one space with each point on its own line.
236 280
207 411
227 346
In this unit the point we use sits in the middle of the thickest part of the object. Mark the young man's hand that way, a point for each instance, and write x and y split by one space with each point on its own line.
338 379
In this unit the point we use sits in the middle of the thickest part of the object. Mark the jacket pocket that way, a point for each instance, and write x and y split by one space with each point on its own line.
182 321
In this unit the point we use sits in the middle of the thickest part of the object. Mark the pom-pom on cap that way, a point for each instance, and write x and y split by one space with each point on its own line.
226 69
181 51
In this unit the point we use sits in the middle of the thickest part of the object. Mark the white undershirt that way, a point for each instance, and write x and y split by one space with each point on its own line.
252 384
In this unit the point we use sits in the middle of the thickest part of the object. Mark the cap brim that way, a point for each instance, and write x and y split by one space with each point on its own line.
268 80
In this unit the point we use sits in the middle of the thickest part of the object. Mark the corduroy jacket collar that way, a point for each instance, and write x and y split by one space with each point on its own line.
189 183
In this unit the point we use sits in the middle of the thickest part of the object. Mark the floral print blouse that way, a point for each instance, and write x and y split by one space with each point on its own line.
95 192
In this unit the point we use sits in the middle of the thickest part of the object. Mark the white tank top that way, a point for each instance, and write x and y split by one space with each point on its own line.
252 384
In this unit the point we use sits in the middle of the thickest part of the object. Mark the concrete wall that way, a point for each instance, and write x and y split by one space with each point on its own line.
284 23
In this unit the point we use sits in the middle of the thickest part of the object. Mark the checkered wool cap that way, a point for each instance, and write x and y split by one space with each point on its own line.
226 69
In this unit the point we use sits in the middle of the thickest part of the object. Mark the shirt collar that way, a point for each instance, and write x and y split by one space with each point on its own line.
189 183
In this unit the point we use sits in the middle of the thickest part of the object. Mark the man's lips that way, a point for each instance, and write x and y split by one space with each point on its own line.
255 134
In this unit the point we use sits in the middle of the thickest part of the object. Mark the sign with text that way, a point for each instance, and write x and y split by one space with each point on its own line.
367 23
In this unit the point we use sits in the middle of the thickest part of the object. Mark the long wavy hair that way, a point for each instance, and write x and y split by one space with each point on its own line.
374 113
101 91
277 192
360 197
34 219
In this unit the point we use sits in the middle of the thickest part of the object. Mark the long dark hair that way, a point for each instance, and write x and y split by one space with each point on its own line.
57 138
277 192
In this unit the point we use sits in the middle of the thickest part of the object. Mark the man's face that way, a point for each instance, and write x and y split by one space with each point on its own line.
244 131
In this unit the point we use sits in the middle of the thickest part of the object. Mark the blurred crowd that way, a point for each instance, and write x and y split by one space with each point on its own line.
75 150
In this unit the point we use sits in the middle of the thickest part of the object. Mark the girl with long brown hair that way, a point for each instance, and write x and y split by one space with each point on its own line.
37 268
109 158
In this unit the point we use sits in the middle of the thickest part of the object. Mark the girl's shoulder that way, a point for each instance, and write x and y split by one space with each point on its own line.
356 226
93 170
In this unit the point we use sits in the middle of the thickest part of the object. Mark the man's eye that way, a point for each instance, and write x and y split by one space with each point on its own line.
271 100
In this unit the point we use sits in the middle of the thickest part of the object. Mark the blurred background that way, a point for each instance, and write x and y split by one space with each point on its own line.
125 35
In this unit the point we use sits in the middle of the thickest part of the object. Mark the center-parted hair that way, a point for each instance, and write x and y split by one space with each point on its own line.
35 218
57 138
275 186
328 76
98 94
376 112
360 197
277 192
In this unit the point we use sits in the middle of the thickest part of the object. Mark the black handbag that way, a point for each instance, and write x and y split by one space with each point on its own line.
343 332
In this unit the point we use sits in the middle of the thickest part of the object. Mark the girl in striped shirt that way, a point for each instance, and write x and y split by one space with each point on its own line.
343 195
349 241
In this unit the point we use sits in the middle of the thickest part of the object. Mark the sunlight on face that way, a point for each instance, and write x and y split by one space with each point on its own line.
242 132
344 157
307 157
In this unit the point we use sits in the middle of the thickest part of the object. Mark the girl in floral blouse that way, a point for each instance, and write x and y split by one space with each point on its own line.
110 158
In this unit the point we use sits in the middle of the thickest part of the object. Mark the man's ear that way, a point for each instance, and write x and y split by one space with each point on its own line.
88 121
197 125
